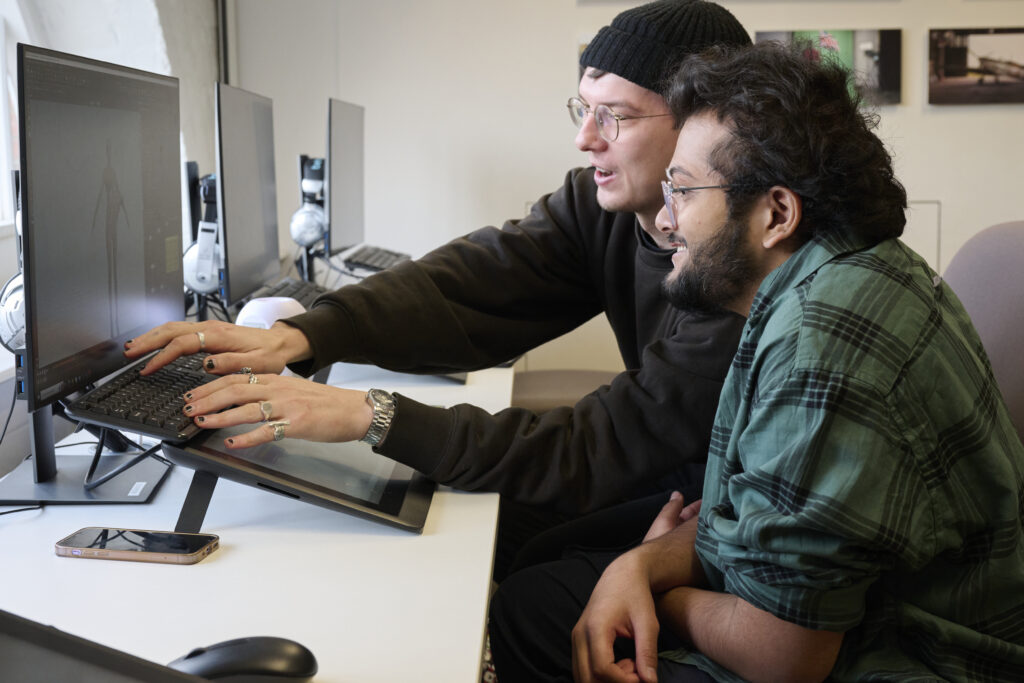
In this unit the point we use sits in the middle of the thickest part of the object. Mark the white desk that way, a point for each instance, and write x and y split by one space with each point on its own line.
373 603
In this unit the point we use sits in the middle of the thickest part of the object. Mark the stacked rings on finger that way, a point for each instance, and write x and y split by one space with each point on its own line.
278 427
266 409
246 370
253 379
202 340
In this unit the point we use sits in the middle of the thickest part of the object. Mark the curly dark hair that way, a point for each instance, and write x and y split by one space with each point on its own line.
795 122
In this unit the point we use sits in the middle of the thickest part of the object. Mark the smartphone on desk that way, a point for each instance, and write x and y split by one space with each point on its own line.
137 545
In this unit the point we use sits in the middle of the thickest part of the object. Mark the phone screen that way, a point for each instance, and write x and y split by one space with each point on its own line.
166 542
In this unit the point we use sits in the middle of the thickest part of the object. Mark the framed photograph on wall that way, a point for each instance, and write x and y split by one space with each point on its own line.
874 55
975 65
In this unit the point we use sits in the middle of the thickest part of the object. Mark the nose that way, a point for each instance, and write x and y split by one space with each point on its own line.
663 222
589 138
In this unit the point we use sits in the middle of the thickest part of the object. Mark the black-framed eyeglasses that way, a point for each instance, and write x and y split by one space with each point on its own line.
668 189
607 120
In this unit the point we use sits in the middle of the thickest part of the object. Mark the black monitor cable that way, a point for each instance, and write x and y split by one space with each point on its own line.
10 411
342 271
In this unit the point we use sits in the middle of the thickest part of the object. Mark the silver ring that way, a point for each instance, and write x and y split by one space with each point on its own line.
278 428
266 409
246 370
253 379
202 340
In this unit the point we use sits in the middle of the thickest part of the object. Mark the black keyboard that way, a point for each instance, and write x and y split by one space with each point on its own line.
150 405
302 291
368 257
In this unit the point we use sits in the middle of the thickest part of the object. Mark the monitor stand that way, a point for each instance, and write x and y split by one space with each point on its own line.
49 479
304 262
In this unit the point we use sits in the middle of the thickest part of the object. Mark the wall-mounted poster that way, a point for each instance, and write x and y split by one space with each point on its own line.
975 65
874 55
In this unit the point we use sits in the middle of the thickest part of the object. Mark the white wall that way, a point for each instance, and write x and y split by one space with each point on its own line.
465 116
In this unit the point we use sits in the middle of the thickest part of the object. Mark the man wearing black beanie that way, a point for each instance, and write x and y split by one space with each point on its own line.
589 247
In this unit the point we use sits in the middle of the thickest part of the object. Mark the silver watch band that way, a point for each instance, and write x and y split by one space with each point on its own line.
383 405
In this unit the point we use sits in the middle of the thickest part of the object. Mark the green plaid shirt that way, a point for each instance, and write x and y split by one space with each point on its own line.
864 475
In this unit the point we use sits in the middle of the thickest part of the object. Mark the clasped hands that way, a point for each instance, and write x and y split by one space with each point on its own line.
252 389
622 604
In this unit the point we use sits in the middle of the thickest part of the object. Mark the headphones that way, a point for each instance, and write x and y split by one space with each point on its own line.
12 314
12 298
202 259
309 223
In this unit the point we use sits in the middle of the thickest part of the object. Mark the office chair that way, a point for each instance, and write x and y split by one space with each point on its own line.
542 390
986 274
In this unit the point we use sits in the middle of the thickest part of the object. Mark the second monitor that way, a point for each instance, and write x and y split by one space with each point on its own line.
343 178
246 192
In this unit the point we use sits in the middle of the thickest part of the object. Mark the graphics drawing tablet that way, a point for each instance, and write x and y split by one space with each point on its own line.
347 477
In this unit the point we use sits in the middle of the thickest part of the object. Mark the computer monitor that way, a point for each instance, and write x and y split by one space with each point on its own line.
343 178
246 192
31 651
101 224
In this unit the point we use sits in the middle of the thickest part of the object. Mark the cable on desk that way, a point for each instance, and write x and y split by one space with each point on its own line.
342 271
31 507
10 411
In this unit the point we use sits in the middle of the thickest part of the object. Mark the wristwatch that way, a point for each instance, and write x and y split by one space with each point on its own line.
383 405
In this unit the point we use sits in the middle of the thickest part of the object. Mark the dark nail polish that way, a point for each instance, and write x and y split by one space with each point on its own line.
188 396
231 442
188 409
128 342
209 364
201 420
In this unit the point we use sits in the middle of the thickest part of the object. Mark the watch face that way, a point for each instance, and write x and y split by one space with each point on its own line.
379 396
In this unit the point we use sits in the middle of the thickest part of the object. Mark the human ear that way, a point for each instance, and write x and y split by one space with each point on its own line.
783 209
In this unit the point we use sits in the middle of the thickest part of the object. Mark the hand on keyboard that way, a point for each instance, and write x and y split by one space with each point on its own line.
231 347
286 406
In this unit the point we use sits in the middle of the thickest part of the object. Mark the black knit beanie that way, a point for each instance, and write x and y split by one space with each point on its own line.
646 44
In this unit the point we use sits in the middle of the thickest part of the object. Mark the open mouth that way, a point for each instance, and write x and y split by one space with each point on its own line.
602 175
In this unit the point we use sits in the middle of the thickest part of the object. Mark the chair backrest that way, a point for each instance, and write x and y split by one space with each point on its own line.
987 273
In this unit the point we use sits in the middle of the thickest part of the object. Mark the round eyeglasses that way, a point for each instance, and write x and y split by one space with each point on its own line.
668 189
607 120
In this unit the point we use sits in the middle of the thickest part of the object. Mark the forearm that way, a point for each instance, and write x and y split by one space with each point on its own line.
670 560
750 642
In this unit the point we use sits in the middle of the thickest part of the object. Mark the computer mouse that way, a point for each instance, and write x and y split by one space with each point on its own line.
248 660
264 311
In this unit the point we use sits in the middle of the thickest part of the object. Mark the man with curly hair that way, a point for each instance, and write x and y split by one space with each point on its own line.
861 517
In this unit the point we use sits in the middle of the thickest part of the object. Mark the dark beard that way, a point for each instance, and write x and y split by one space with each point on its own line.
718 272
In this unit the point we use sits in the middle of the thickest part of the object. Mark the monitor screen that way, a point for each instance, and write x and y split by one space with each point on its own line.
246 192
343 179
101 215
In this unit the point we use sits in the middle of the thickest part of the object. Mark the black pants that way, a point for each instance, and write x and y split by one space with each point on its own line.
535 608
530 535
